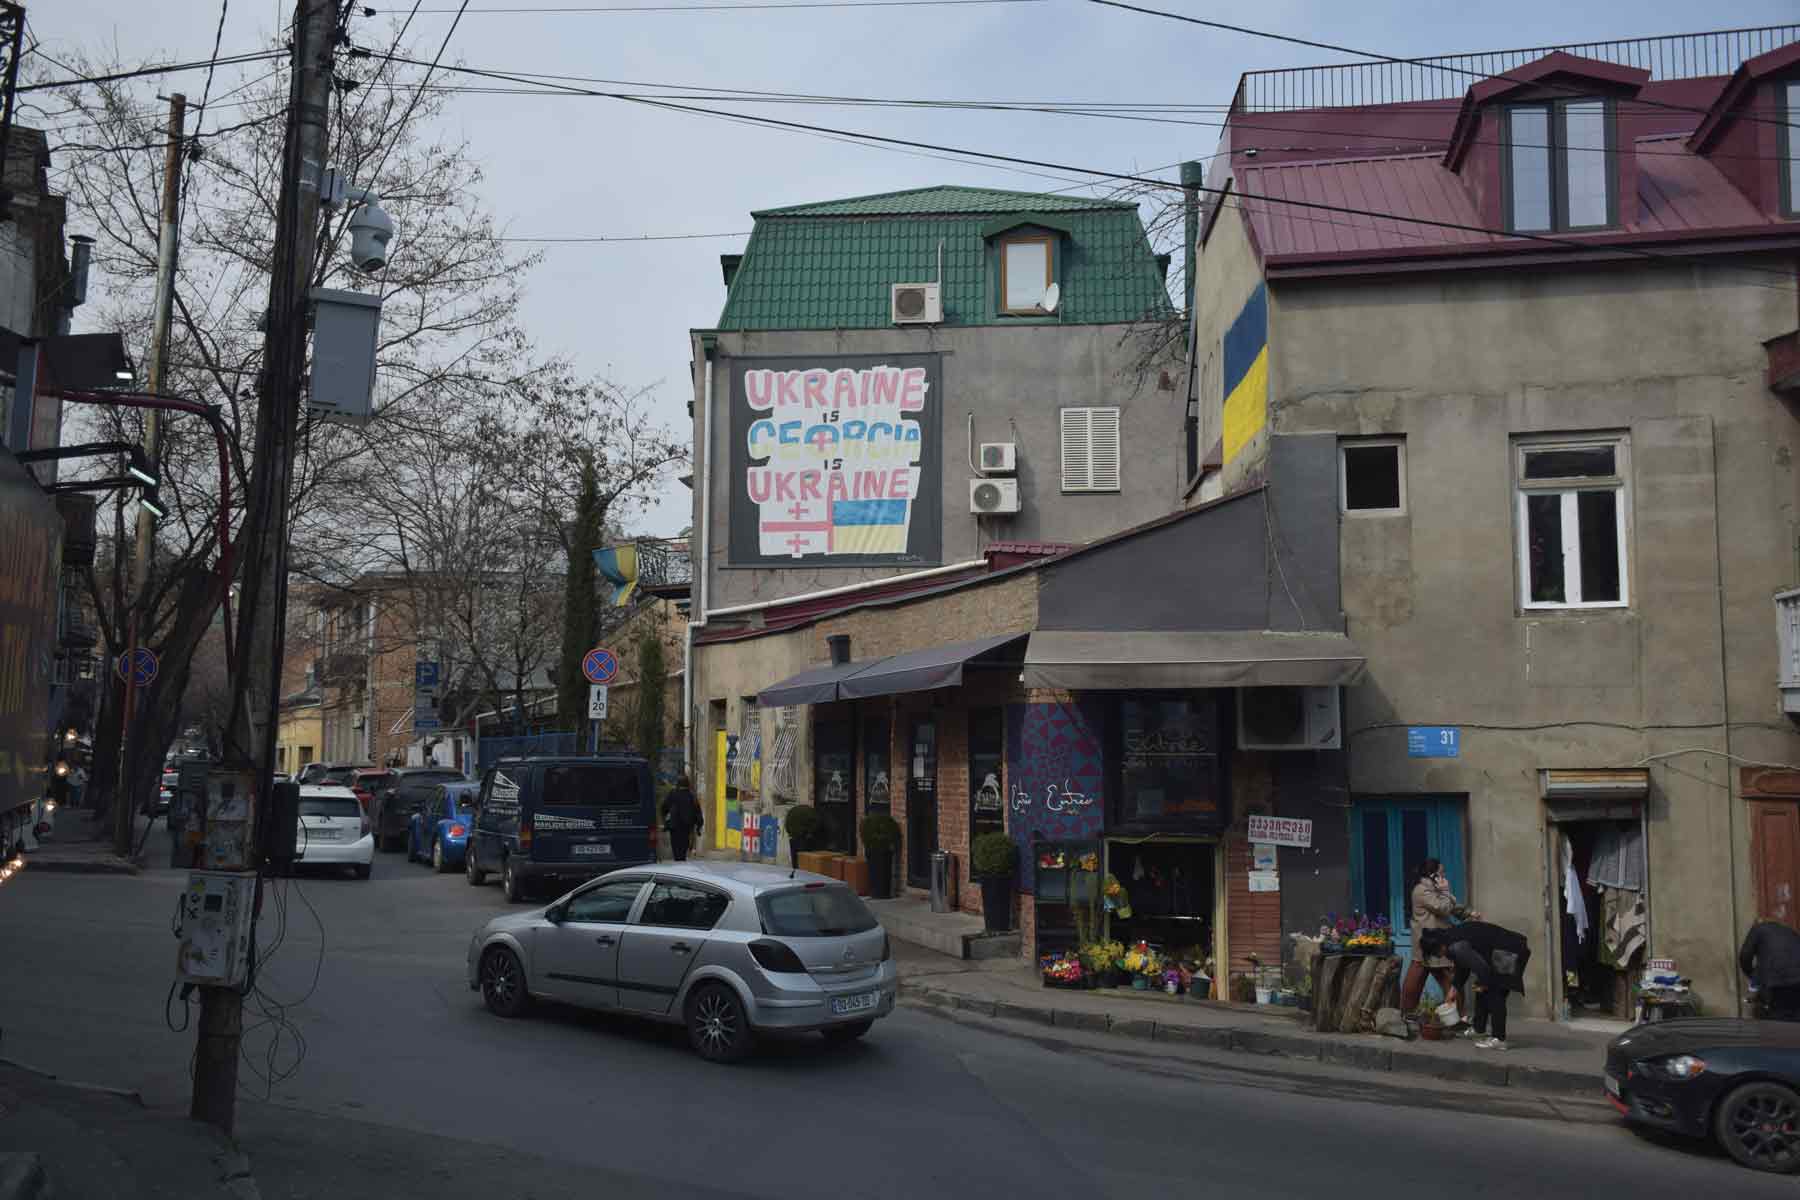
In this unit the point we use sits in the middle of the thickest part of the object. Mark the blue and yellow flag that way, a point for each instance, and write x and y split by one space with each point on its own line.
618 565
1247 374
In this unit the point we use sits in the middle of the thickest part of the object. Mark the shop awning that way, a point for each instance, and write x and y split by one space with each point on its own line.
921 670
1610 793
815 685
1079 660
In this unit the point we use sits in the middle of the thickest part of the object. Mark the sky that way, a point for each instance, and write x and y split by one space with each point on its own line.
582 167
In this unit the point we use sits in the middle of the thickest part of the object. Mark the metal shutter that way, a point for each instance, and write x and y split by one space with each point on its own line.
1090 450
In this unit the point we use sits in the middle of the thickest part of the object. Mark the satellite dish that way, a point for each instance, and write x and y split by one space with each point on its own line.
1052 295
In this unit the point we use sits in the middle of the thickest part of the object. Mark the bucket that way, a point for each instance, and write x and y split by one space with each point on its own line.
1448 1016
1264 995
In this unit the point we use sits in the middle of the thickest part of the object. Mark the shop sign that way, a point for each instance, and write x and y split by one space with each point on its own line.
1262 857
1265 881
1433 741
1280 831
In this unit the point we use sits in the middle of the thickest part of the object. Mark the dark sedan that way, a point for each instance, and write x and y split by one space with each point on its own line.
1735 1081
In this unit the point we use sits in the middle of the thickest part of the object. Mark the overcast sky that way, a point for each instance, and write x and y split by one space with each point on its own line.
584 167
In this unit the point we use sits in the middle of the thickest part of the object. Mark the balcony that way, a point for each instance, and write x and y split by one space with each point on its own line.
1787 638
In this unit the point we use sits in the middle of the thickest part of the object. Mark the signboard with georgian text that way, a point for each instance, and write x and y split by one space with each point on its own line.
1280 831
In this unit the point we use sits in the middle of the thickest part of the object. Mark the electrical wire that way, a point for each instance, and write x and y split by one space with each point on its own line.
1564 242
601 10
80 80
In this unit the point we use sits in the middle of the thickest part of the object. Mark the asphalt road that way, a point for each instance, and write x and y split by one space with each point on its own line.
393 1081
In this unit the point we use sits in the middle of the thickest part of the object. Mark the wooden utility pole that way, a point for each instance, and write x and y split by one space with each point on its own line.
262 616
167 248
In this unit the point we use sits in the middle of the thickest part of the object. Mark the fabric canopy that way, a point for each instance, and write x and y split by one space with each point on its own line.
815 685
919 670
1079 660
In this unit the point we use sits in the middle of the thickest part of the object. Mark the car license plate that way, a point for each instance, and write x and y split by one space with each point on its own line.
322 835
600 849
850 1004
1612 1085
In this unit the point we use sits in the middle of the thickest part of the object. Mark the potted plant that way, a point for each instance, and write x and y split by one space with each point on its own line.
993 859
802 823
881 839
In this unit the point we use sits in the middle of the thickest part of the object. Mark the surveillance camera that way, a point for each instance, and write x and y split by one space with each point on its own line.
371 229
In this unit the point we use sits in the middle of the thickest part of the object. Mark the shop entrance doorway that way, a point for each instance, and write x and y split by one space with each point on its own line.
1602 918
1172 887
921 801
1389 837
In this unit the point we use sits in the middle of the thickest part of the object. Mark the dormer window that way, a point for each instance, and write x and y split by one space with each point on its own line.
1790 150
1027 268
1561 172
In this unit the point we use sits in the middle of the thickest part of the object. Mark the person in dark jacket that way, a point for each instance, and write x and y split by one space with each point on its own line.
1771 959
681 817
1496 957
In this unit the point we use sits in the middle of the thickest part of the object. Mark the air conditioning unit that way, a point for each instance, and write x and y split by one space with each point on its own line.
1289 718
917 304
990 496
999 457
356 722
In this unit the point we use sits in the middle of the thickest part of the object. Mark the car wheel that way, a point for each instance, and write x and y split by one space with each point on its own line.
361 870
503 983
718 1029
839 1035
1759 1125
510 883
437 856
474 874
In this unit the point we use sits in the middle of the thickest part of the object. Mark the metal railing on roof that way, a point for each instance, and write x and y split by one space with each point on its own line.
1675 56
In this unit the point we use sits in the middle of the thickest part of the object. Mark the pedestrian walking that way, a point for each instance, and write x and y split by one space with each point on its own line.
682 818
1433 907
1770 957
1496 957
77 784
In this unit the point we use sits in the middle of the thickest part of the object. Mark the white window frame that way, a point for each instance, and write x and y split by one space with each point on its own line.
1081 476
1366 443
1569 489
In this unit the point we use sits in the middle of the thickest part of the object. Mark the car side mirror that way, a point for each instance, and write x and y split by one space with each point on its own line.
554 914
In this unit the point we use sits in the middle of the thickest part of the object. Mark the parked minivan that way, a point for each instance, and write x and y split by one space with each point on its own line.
561 820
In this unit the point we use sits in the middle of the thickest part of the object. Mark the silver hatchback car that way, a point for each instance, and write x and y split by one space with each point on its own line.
728 950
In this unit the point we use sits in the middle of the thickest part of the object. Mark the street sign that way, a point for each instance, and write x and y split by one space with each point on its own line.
1280 831
596 702
426 674
138 667
600 665
1433 741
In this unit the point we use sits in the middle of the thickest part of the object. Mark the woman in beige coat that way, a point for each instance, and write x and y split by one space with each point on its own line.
1432 907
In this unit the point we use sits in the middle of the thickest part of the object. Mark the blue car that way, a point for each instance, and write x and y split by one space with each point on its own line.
437 832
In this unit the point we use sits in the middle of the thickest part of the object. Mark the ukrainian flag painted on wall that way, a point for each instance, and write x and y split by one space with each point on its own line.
1247 374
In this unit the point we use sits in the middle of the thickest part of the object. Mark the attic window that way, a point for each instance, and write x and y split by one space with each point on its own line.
1027 264
1561 170
1790 150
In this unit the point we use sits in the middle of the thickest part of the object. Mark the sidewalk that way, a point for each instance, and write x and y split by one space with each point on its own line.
81 846
67 1140
1544 1056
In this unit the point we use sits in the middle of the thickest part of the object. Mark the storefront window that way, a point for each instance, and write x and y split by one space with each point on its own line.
834 782
987 751
877 747
1169 763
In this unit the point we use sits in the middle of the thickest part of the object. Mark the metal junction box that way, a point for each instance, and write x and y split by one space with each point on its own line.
214 927
345 329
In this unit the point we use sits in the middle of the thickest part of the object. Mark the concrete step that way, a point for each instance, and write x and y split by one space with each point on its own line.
958 934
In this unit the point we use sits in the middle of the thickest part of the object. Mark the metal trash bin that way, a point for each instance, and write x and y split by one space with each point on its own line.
943 882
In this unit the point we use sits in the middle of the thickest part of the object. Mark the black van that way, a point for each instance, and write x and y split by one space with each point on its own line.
562 820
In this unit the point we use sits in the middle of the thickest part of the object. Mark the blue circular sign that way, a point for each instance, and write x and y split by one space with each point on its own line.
600 665
139 667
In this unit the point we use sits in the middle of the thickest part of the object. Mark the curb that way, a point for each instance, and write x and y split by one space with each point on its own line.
22 1177
97 865
122 1093
1373 1056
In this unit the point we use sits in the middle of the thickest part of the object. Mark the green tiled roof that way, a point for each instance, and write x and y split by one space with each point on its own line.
918 201
830 265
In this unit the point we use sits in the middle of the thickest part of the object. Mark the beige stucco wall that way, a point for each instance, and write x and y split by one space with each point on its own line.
1227 274
1463 363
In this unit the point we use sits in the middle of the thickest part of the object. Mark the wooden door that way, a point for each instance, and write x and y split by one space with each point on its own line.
1775 858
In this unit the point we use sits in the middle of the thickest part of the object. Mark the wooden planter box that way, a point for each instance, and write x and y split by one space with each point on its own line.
856 874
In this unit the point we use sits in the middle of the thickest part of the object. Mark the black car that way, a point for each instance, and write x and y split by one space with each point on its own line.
561 820
398 795
1732 1080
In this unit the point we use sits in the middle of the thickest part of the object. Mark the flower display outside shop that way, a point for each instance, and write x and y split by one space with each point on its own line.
1062 969
1359 933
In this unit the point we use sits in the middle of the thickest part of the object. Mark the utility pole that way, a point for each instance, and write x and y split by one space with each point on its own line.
168 242
256 687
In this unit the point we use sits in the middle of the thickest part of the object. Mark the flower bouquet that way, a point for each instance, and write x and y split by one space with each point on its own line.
1117 900
1088 862
1062 970
1100 959
1143 964
1052 860
1358 933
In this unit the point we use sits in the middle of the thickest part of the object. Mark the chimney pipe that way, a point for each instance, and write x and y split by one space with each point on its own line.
839 644
81 256
1193 174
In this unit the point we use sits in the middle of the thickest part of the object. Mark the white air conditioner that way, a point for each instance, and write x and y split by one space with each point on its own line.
989 496
1289 718
999 457
917 304
356 722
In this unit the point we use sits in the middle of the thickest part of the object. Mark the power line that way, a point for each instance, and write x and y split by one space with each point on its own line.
1429 63
227 60
601 10
1314 205
647 237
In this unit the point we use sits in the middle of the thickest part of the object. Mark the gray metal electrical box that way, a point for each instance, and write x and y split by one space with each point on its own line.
345 328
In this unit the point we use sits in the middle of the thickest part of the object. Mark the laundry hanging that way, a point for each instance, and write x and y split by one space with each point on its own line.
1625 922
1618 860
1572 897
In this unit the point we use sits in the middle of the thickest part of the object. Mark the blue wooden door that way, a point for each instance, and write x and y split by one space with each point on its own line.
1389 838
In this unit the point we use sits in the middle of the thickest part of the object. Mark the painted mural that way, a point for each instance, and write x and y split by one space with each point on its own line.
1055 775
836 459
1246 353
31 535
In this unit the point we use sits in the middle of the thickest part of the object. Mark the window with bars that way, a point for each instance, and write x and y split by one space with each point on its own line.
1090 449
779 776
746 775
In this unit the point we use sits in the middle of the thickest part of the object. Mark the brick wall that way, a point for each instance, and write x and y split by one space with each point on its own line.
1254 917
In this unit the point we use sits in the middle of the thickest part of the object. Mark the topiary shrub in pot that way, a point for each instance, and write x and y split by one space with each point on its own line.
880 838
802 823
994 859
